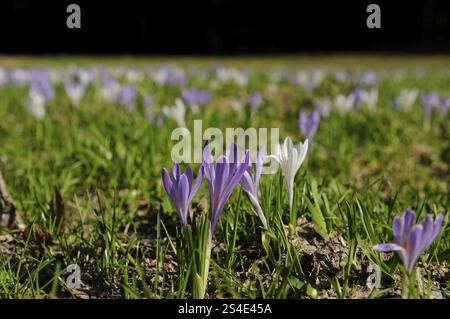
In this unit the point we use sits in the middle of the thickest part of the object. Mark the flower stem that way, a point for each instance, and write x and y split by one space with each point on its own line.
408 291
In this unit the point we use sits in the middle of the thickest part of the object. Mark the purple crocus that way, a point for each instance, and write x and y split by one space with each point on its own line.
196 97
44 87
369 78
126 96
255 101
222 178
250 184
429 101
411 239
308 123
181 190
168 75
357 95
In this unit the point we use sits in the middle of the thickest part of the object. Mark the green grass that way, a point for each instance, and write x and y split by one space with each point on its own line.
87 184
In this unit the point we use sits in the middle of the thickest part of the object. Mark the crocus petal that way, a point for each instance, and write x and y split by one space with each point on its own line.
247 182
397 226
183 198
259 165
233 156
428 229
415 247
176 171
387 247
197 184
257 209
408 222
166 180
438 225
302 150
275 157
241 170
189 175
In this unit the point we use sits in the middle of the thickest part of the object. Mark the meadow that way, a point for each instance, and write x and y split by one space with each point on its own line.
83 144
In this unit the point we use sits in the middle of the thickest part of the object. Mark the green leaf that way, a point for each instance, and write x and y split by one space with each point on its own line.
316 213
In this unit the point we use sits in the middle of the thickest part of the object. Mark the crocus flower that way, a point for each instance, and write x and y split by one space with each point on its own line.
341 76
126 97
410 239
20 77
406 99
308 123
222 178
317 76
181 190
196 97
357 96
300 77
232 75
255 101
369 98
44 87
36 103
369 78
110 88
41 92
429 101
176 112
344 103
75 91
250 184
236 105
323 105
290 157
133 75
169 76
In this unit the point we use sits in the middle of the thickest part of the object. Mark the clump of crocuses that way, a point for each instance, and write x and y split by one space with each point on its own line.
411 239
222 177
195 259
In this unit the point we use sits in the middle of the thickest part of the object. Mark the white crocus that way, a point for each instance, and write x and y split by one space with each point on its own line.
36 103
407 98
176 112
237 105
370 98
75 92
290 157
344 103
110 90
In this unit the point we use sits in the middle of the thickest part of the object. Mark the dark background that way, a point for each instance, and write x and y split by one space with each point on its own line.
223 26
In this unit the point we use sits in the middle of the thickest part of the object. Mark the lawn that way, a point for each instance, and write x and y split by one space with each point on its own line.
83 142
